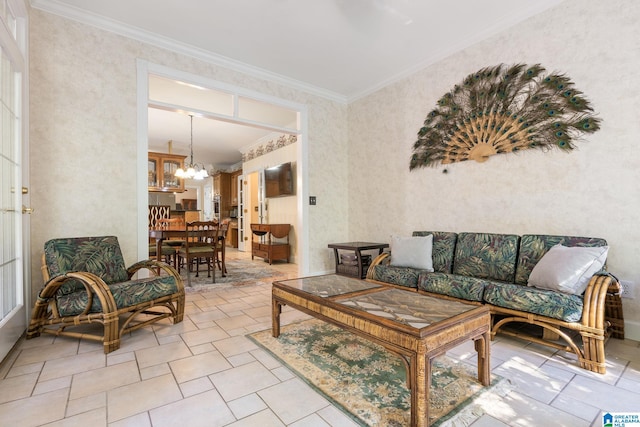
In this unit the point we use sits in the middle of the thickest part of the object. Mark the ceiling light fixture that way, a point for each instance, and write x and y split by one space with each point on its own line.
194 170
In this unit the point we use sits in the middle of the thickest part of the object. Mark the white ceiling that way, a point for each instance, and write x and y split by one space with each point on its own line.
339 49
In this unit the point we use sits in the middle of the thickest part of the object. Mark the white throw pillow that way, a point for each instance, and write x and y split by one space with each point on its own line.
568 269
412 252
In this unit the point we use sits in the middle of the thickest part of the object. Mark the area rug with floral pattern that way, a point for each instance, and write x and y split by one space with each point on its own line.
239 273
369 383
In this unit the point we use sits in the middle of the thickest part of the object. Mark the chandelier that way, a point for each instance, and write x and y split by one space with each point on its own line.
194 170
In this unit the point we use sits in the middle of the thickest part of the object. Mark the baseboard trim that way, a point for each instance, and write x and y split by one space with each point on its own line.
632 330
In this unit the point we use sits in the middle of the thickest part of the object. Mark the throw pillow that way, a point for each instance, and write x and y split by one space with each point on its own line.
412 252
568 269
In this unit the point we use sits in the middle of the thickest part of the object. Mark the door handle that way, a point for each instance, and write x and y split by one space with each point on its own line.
26 210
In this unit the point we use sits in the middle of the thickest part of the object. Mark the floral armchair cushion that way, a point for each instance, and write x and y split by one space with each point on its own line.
98 255
534 246
486 256
125 294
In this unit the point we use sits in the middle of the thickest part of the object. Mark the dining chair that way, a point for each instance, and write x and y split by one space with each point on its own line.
201 243
221 249
168 253
173 244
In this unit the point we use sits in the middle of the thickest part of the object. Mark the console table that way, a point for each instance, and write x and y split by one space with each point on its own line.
358 270
266 247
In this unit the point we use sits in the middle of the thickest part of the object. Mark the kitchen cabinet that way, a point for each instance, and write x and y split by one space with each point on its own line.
161 172
234 187
232 234
222 188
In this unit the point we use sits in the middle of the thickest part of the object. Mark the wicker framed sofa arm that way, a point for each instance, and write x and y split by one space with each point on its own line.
522 279
86 282
383 258
594 326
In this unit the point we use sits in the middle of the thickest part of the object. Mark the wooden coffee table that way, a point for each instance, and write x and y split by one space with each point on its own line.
416 327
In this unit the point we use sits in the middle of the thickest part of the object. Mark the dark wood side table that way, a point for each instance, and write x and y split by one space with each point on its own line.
355 247
270 249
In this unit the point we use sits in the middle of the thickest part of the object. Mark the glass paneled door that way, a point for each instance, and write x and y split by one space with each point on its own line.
13 313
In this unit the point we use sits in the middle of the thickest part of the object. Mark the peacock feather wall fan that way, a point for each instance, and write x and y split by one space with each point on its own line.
503 109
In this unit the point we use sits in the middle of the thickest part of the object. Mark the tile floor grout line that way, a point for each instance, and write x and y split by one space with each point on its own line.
623 359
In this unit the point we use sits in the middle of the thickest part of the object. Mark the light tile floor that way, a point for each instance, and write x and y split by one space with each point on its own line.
204 372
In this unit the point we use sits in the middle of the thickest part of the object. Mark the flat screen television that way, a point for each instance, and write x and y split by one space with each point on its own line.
278 180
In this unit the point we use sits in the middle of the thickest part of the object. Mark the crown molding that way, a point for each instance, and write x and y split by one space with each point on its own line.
98 21
80 15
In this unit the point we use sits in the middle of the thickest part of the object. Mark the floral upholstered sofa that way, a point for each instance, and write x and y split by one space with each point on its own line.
522 278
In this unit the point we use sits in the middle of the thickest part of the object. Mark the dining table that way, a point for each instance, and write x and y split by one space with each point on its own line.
164 233
161 234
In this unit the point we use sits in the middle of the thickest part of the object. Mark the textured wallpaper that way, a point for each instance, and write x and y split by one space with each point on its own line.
83 138
83 142
591 191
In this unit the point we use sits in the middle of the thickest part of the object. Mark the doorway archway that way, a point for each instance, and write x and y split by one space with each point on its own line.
146 69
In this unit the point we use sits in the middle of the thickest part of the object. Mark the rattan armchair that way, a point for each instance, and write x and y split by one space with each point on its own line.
86 282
